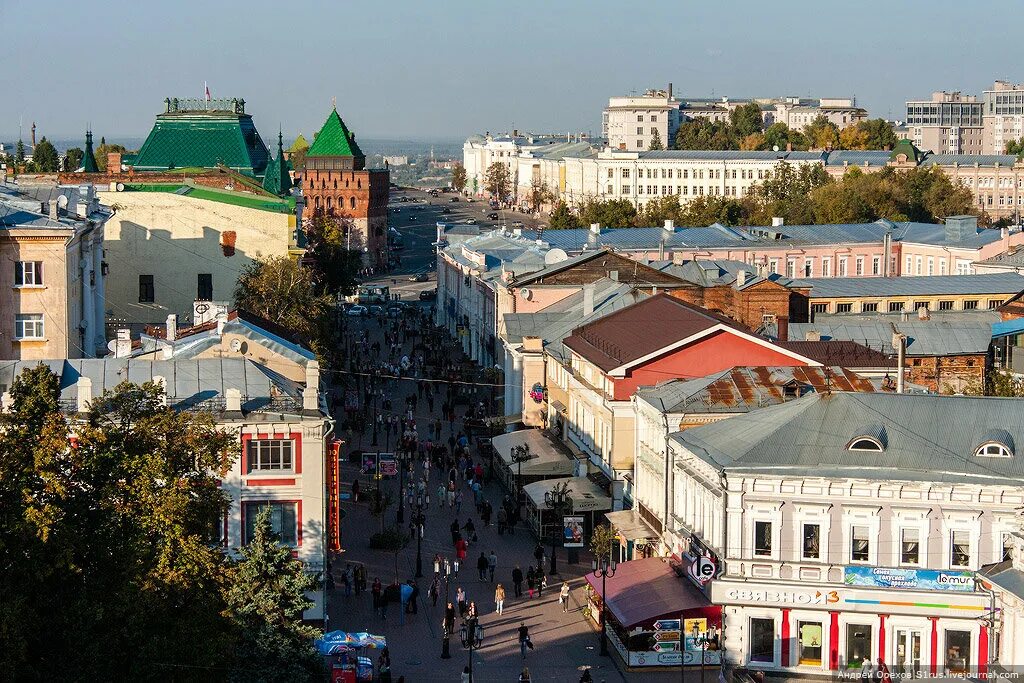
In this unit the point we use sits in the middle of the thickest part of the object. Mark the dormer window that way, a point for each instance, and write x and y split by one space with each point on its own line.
995 443
870 438
865 443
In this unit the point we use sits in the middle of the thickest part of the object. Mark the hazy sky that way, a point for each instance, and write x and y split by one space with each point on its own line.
447 68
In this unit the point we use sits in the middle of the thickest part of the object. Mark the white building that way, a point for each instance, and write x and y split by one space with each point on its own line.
848 527
1003 115
630 123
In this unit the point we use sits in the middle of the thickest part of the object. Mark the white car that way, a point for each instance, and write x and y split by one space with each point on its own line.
356 311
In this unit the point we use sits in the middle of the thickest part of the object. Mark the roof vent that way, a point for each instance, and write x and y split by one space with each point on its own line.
778 221
959 228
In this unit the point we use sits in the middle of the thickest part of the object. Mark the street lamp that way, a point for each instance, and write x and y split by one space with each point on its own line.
420 520
472 634
445 654
401 485
604 567
520 454
559 501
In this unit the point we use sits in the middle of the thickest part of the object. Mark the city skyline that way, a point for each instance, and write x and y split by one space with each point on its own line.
413 71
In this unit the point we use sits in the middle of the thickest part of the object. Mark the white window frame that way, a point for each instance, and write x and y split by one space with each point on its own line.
22 270
910 518
812 513
23 322
865 516
962 521
970 548
263 460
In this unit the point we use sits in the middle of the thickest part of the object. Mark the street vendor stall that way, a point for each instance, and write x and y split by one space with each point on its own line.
655 617
349 663
587 499
529 455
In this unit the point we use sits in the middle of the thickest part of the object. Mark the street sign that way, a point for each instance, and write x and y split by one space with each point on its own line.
666 636
702 570
667 625
666 647
388 468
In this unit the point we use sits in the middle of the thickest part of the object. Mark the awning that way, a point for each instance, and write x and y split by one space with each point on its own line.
644 590
630 526
546 459
559 407
586 496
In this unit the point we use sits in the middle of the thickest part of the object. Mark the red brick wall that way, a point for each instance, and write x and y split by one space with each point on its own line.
747 306
357 194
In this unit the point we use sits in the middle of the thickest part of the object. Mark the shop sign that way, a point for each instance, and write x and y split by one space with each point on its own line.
780 597
910 579
572 531
667 625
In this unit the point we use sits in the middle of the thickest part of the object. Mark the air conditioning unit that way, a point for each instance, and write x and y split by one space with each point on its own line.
527 294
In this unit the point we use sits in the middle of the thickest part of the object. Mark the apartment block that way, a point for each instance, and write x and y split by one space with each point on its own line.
948 123
630 123
1004 115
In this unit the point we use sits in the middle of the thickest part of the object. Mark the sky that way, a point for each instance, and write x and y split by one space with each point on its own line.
444 69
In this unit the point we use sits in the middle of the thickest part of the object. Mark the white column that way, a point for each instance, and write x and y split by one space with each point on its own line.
99 294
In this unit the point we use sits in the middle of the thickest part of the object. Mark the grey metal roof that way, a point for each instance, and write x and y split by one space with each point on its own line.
924 337
1006 576
969 159
857 158
190 384
192 345
1014 257
978 316
930 438
925 285
729 155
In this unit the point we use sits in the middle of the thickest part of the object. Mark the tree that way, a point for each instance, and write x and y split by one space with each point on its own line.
44 156
102 151
540 194
880 133
656 211
602 540
73 159
19 152
753 141
656 142
614 213
701 133
707 210
498 181
333 252
279 290
822 133
782 136
459 177
746 120
562 218
392 540
1015 147
853 137
266 600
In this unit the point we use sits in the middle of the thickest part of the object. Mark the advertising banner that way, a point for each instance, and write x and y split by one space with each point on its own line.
572 531
910 579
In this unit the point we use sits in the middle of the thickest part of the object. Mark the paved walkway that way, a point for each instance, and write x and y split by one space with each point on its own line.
564 641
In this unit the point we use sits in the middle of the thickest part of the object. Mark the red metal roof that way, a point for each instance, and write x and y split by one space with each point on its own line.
645 590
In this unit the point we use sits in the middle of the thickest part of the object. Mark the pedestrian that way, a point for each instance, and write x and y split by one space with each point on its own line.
471 611
384 666
531 580
437 564
355 489
517 582
434 590
465 675
538 554
524 639
455 531
378 597
563 596
458 503
448 624
347 579
360 578
492 564
451 494
414 597
586 677
460 598
461 549
470 530
524 677
485 512
542 582
481 565
499 598
502 520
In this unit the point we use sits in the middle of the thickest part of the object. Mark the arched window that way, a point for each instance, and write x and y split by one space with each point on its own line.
328 205
993 450
352 202
995 443
335 184
865 443
872 437
316 203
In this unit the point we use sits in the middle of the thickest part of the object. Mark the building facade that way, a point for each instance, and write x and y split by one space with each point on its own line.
830 559
336 182
1004 115
54 272
948 123
632 123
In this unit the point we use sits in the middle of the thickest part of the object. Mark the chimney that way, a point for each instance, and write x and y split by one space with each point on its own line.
1004 233
923 314
783 328
613 275
161 382
588 299
222 319
53 209
113 162
900 342
741 278
595 228
812 335
670 225
172 327
123 343
778 221
313 374
515 132
233 401
670 90
84 386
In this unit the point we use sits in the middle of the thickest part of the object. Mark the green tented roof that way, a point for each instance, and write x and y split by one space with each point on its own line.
276 179
203 139
89 157
334 140
299 144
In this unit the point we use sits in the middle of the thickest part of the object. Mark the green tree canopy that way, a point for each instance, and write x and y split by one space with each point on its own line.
613 213
781 136
707 210
1015 147
459 177
44 156
498 181
746 120
101 153
19 152
702 133
822 133
563 218
656 142
73 159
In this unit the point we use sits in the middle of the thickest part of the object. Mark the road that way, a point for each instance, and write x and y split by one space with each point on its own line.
416 220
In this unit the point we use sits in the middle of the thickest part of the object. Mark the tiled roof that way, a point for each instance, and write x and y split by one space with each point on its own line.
89 157
1014 257
299 144
929 437
742 389
203 140
334 139
642 329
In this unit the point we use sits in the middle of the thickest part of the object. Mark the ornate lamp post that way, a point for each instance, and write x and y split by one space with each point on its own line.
446 634
520 454
559 502
604 567
401 485
420 519
472 634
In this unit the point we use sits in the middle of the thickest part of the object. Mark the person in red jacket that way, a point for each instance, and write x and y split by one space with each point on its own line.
460 549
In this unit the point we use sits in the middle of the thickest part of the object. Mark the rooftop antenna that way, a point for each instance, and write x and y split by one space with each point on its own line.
334 102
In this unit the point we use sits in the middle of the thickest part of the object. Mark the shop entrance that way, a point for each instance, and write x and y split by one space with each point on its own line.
907 650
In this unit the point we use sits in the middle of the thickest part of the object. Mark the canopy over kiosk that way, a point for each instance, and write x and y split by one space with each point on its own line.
546 459
587 497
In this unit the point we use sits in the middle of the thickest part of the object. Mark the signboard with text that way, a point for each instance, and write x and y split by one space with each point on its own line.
572 531
910 579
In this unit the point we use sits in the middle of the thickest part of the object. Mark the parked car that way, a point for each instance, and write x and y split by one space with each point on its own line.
428 295
517 224
446 210
376 310
454 200
470 221
492 216
395 311
419 277
356 311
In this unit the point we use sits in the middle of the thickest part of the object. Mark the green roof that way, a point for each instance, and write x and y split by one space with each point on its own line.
276 179
89 158
299 144
243 199
203 139
334 140
908 148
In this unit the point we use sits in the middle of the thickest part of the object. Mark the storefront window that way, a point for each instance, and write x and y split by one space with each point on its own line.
858 645
958 651
810 643
762 640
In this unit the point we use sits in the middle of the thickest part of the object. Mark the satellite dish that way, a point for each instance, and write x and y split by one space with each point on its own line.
120 187
62 201
236 345
527 294
111 345
775 148
554 256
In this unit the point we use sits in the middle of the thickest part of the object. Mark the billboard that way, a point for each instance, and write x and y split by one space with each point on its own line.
572 531
910 579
